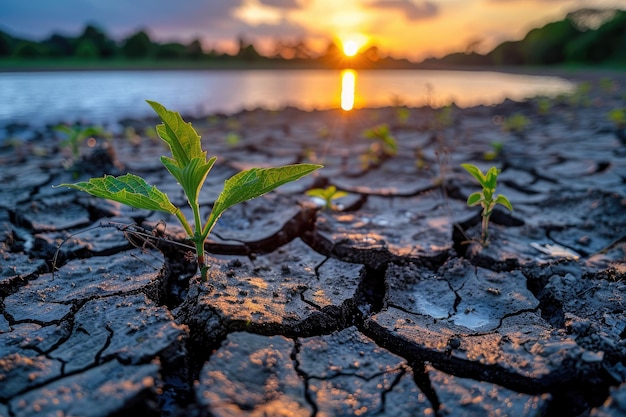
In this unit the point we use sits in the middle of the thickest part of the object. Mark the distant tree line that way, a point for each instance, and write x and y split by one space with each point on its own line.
94 44
585 37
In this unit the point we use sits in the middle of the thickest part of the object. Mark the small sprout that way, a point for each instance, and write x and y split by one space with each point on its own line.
496 150
384 146
618 117
75 135
151 134
543 106
327 195
131 136
190 167
403 114
486 198
232 139
323 132
607 85
581 95
420 160
383 138
369 159
516 123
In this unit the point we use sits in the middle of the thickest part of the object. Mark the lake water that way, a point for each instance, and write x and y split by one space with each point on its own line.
108 96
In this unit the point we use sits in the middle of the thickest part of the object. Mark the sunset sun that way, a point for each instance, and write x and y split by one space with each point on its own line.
353 43
350 48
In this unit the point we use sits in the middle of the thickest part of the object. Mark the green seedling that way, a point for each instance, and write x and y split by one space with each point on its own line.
190 167
420 160
543 106
618 117
75 135
607 85
132 137
496 150
323 132
327 195
581 96
232 139
486 198
384 146
383 139
151 133
403 114
516 123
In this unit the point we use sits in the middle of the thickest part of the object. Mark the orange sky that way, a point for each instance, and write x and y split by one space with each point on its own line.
414 29
417 29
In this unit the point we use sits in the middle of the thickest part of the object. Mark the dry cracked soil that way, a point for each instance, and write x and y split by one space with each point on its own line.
385 305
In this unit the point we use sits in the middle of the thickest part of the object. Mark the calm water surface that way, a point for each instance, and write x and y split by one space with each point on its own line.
108 96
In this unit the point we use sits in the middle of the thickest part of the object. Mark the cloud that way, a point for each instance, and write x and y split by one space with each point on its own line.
282 4
40 18
411 10
284 30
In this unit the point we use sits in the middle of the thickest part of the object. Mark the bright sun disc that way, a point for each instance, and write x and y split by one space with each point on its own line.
350 48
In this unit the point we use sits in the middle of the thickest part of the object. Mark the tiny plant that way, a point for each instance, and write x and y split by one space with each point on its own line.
486 198
403 114
75 135
232 139
496 149
190 167
132 136
581 96
618 117
327 195
383 139
607 85
420 160
515 123
384 146
543 106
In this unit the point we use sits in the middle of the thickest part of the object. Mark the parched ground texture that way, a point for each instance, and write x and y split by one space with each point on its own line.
385 305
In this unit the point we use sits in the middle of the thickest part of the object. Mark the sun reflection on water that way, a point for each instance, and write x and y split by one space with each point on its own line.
348 88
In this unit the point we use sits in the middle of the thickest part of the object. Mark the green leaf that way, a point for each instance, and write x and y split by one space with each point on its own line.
487 194
391 143
253 183
504 201
338 194
327 194
474 199
64 129
476 173
491 178
183 140
318 192
127 189
191 177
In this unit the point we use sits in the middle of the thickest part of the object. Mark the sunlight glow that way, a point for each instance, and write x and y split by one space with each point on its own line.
352 43
350 48
254 13
348 87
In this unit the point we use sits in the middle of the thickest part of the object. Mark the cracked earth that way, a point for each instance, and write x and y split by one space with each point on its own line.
386 306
